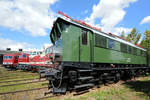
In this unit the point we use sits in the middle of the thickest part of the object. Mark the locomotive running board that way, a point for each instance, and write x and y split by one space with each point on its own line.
83 85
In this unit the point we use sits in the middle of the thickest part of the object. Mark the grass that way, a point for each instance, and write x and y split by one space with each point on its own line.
21 76
23 86
107 93
142 87
132 90
10 75
16 82
4 72
138 89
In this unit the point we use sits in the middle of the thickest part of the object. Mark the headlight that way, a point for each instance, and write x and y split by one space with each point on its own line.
10 63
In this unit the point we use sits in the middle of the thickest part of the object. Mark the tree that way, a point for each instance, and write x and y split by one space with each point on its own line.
122 35
134 36
146 43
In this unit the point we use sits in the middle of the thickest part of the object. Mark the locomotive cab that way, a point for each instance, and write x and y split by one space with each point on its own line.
10 60
56 39
7 60
55 74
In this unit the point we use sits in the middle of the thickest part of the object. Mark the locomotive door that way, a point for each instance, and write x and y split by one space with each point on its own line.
85 51
15 59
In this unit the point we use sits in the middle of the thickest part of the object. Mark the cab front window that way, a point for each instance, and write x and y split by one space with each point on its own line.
58 28
10 57
24 56
5 57
58 46
56 35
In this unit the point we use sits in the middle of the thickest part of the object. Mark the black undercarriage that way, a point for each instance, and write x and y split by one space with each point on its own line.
74 76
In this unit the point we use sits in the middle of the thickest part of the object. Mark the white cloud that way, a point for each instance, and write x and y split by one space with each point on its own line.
109 13
14 45
145 20
47 45
7 43
118 30
34 16
38 49
33 49
86 11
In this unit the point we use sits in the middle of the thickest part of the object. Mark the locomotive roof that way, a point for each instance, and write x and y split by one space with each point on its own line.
101 33
11 54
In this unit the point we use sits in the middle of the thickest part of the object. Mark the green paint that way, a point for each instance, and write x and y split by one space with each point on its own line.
70 40
71 43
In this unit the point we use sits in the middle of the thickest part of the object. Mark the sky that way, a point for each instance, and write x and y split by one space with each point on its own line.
27 24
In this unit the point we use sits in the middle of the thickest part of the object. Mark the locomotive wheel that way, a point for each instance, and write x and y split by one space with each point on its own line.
117 77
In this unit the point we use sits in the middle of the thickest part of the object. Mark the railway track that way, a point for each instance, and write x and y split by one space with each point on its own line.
36 81
7 76
13 71
16 77
13 74
4 93
19 80
45 97
75 92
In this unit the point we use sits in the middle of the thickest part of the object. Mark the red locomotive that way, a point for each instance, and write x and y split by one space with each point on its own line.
42 61
34 63
10 60
31 62
23 61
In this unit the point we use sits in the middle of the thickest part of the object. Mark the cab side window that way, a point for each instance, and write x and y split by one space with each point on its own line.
134 51
111 44
100 41
129 49
123 48
84 37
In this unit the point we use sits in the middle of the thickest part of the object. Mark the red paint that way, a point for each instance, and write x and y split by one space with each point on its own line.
10 60
41 61
139 46
79 21
23 58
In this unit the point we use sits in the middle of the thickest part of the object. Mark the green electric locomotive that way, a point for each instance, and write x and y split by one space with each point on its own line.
85 56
